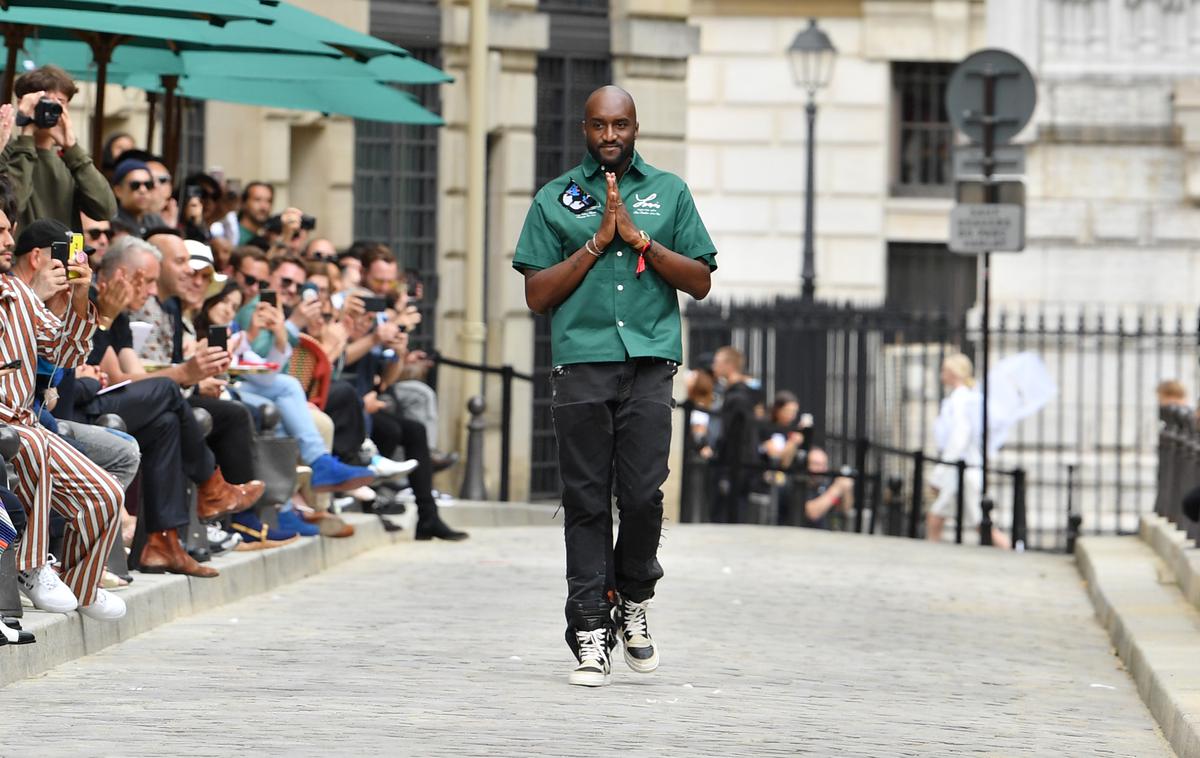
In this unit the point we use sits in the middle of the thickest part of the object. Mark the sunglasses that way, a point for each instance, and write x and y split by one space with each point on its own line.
95 234
135 186
287 284
251 281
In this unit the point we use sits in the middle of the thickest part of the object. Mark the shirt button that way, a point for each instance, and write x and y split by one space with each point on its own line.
618 253
620 287
620 323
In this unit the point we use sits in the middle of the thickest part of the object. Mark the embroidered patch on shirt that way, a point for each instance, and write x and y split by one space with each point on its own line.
575 199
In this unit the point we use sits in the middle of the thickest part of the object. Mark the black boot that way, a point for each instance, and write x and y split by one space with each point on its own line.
431 526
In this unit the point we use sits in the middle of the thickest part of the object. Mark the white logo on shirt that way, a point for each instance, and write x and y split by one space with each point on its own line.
645 206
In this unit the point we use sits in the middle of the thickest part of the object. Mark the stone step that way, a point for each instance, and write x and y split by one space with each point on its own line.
155 599
1154 628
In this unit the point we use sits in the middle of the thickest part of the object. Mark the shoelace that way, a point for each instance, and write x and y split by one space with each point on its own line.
593 645
635 618
47 577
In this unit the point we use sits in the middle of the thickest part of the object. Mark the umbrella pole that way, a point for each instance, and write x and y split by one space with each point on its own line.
102 46
170 145
152 106
14 36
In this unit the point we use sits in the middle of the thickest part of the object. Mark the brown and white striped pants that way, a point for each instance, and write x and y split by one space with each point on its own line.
53 475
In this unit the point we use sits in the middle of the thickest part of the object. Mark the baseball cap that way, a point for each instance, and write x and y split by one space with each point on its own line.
41 233
200 257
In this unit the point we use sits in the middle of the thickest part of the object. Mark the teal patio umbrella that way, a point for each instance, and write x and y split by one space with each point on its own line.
105 32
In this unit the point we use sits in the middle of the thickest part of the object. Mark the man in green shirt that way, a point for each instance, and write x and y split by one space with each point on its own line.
52 176
605 249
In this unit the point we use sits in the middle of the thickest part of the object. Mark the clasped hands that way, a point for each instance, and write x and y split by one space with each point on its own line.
616 221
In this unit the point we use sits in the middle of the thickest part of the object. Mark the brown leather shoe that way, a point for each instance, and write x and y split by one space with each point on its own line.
217 497
250 493
164 553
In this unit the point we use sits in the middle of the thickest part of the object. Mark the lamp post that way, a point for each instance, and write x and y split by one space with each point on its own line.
812 55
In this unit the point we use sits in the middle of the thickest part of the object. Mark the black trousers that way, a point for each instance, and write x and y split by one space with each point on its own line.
613 425
231 439
392 430
157 415
344 406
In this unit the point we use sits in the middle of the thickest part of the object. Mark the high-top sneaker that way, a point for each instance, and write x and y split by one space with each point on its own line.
595 663
641 654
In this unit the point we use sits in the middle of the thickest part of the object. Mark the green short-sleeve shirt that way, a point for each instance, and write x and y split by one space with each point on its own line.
614 314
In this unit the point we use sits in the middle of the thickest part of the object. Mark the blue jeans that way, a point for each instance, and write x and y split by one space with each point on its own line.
288 396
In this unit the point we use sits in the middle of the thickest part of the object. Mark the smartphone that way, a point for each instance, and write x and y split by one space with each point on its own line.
61 251
374 304
269 297
76 246
218 336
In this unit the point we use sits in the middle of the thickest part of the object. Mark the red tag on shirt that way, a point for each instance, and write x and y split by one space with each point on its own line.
641 264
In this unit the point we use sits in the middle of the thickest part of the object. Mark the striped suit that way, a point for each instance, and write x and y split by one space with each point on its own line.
49 472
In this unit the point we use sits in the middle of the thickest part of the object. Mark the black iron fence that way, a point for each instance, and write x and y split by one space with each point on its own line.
870 378
1179 470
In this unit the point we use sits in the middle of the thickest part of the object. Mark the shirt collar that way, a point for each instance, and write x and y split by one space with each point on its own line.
591 167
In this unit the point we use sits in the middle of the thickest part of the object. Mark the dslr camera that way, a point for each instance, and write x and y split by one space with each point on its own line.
45 114
307 223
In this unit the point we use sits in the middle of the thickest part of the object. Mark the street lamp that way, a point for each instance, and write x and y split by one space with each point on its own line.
812 55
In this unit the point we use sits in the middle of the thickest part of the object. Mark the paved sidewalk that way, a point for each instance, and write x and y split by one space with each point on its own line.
775 642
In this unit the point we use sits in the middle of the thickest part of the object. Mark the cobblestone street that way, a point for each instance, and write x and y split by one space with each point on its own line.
774 642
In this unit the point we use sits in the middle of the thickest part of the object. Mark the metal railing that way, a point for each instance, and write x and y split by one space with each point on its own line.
890 488
507 374
1179 469
872 373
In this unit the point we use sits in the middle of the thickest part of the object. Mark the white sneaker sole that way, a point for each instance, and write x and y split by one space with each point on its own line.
640 666
589 679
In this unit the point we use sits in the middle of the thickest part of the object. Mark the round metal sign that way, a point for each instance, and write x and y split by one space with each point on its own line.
1015 94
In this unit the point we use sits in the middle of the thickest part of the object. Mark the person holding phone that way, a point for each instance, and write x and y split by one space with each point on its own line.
53 320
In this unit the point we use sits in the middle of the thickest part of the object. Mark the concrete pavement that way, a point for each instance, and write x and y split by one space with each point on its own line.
775 641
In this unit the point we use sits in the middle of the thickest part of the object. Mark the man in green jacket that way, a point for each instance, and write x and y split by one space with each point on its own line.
52 176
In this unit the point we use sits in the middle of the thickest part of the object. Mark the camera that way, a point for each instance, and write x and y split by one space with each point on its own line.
275 223
45 114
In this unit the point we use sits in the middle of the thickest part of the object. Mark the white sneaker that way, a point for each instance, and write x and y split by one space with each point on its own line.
106 607
46 591
595 665
387 468
641 654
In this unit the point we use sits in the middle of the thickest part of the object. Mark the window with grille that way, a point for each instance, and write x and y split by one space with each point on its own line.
928 278
924 135
395 193
563 83
587 7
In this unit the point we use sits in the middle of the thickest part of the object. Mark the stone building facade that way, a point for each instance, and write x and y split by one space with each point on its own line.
1113 155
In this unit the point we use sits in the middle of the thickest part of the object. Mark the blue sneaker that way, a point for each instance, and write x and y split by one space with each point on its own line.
331 475
290 520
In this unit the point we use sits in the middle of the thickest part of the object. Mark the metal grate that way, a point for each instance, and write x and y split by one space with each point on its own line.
924 133
587 7
191 158
563 83
395 193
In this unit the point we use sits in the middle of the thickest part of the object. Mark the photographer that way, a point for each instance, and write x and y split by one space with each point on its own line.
822 494
200 204
47 184
287 233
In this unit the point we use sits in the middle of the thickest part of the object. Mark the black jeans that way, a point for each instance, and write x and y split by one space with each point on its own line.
392 430
345 407
231 439
613 425
157 415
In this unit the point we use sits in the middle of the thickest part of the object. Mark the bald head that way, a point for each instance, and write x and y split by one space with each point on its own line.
608 98
610 127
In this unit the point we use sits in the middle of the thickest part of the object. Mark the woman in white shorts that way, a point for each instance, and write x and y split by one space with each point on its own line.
959 437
